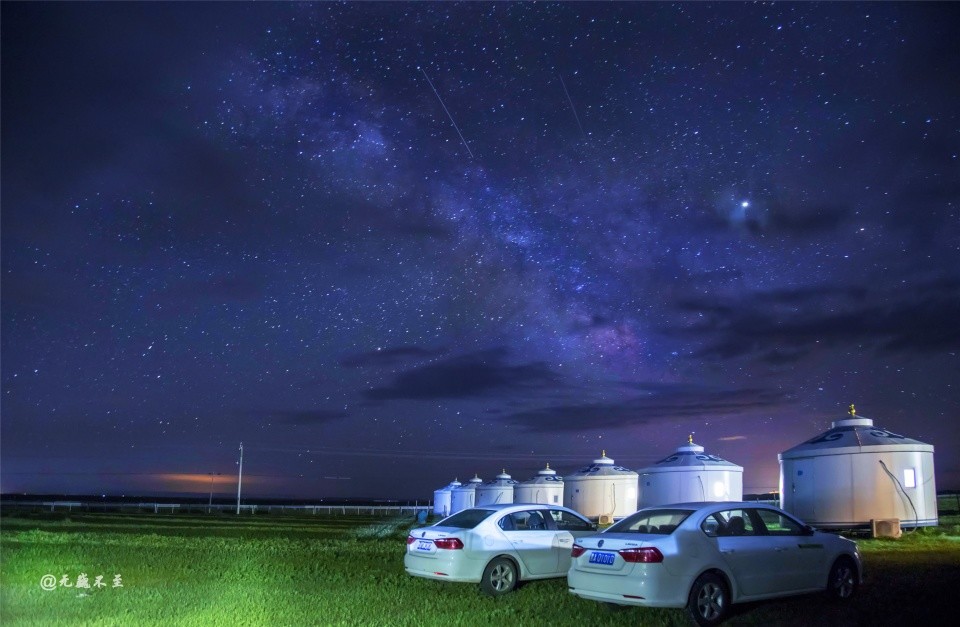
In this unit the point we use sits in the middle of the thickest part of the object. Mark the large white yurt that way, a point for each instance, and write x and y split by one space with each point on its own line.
498 491
546 488
601 490
690 475
856 473
442 498
465 496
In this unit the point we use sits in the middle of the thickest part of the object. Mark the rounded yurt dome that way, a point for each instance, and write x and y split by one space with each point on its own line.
689 475
601 490
856 473
465 496
441 498
500 490
546 488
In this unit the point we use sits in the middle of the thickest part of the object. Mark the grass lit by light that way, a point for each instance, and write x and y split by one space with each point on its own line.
348 570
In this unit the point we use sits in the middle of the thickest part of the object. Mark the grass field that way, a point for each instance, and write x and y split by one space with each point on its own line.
348 570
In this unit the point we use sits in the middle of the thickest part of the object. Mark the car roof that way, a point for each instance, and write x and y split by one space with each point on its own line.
699 505
519 506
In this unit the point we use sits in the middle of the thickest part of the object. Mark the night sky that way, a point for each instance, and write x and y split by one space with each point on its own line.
385 245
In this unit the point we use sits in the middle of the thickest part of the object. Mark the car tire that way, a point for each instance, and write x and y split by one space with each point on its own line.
843 581
709 600
499 577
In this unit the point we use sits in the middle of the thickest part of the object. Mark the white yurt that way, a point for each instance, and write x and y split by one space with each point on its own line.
465 496
498 491
690 475
441 498
601 490
856 473
546 488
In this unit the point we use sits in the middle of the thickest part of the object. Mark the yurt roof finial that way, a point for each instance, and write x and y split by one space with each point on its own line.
548 465
690 439
853 410
603 453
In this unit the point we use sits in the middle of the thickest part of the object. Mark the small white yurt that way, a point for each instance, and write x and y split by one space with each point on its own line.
690 475
856 473
546 488
498 491
442 498
601 490
465 496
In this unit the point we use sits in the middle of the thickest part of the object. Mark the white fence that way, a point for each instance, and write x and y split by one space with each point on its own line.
193 508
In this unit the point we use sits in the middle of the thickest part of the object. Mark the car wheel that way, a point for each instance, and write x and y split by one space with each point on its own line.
708 600
842 582
499 577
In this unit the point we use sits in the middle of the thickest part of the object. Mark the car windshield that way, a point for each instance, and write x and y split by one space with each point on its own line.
656 521
467 519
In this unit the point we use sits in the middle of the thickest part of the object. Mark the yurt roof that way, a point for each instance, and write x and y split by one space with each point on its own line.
503 479
852 435
453 484
548 471
691 456
602 467
472 484
546 476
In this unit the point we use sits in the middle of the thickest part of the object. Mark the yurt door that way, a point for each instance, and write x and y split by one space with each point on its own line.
804 490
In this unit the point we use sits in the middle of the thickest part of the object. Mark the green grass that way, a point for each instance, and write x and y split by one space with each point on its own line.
348 570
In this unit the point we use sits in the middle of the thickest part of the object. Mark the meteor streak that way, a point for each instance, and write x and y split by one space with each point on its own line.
572 108
448 112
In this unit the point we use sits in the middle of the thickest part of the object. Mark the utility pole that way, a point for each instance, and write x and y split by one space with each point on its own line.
240 478
210 502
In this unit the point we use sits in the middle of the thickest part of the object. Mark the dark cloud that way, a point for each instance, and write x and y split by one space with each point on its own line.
466 376
663 404
806 221
785 325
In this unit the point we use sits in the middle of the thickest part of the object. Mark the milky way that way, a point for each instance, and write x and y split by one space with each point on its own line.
385 244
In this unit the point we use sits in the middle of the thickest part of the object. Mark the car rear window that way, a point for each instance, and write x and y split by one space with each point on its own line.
653 521
467 519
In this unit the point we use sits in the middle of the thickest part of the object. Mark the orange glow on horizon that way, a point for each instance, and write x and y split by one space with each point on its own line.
202 479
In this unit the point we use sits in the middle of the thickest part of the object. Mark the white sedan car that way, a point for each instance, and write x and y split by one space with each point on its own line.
497 545
706 556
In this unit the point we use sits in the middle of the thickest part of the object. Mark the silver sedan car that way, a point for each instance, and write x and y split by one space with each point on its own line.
706 556
497 545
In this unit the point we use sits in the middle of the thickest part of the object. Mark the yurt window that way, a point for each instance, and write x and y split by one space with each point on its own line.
909 478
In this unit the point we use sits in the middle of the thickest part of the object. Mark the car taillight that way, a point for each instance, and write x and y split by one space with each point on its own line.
642 555
411 539
577 550
448 543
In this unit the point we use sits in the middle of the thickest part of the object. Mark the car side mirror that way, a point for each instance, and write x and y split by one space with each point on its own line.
808 530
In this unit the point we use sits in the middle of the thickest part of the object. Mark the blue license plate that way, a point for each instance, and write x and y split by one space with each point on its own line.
423 545
602 558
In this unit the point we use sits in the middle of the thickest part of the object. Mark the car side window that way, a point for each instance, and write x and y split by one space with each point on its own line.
712 525
735 522
526 521
776 524
566 521
506 523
